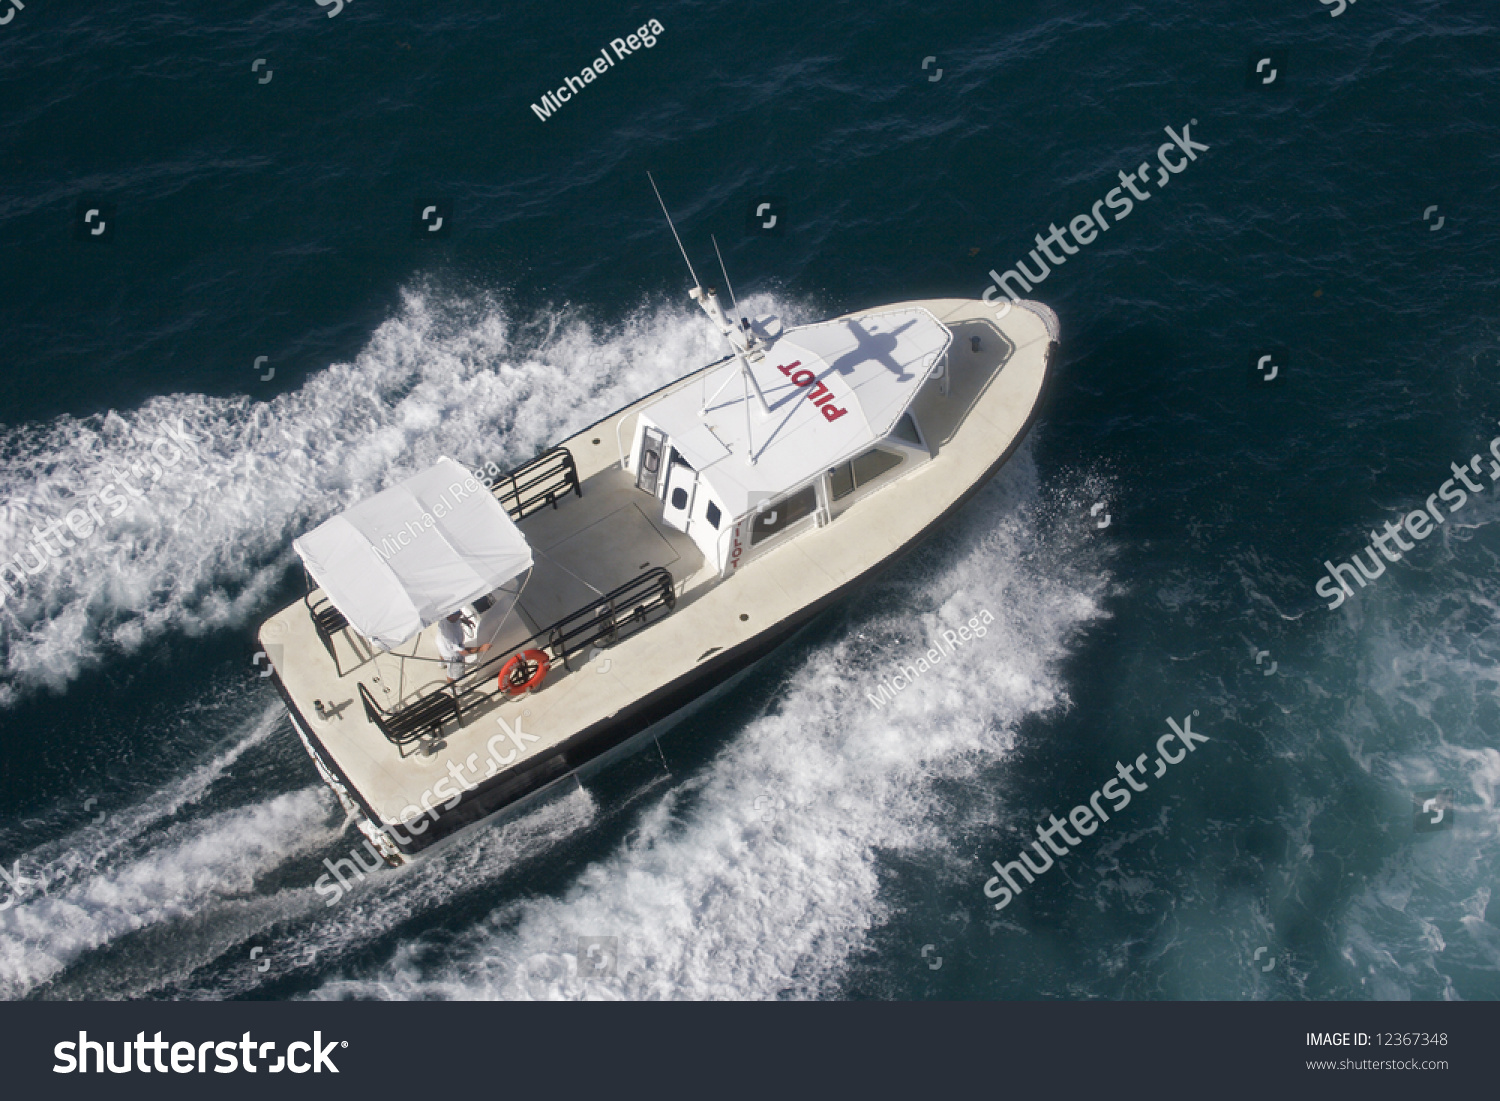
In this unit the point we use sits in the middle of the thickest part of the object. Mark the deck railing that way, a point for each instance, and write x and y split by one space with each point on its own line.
542 481
604 621
326 619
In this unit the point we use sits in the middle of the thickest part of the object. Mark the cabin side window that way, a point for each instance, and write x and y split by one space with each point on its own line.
782 514
860 472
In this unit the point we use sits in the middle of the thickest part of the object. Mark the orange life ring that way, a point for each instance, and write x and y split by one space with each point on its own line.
524 672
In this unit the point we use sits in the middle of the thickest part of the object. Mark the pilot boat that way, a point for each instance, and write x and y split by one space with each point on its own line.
470 639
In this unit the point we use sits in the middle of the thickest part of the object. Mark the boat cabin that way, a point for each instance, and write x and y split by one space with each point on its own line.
791 433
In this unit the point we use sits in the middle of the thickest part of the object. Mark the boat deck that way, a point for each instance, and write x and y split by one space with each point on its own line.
614 532
588 546
584 548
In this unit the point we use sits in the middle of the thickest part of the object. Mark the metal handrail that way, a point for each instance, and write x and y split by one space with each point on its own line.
718 545
546 469
621 609
619 443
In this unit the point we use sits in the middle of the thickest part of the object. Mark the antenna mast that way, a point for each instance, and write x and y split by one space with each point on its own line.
673 228
741 338
732 300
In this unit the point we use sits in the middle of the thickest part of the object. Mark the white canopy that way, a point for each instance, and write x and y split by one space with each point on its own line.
404 558
835 389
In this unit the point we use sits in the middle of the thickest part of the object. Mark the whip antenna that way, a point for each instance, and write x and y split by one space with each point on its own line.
732 300
673 228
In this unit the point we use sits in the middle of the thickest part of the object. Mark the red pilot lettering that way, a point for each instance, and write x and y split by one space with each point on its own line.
820 395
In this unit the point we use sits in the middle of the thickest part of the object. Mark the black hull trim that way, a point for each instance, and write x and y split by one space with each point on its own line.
502 791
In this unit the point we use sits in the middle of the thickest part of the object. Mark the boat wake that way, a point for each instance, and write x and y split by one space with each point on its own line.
153 864
159 901
756 875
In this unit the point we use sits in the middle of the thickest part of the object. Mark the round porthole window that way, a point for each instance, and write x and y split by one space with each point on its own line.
679 498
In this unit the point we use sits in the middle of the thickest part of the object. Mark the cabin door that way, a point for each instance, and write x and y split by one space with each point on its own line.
648 468
682 484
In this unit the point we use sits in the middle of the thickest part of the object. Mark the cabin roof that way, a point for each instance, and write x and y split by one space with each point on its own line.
834 390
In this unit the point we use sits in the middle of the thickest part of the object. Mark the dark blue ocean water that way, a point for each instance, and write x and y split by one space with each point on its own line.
798 842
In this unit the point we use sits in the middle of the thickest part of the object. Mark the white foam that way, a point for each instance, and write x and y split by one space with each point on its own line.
760 877
312 933
211 534
193 864
1418 718
108 832
757 877
133 868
